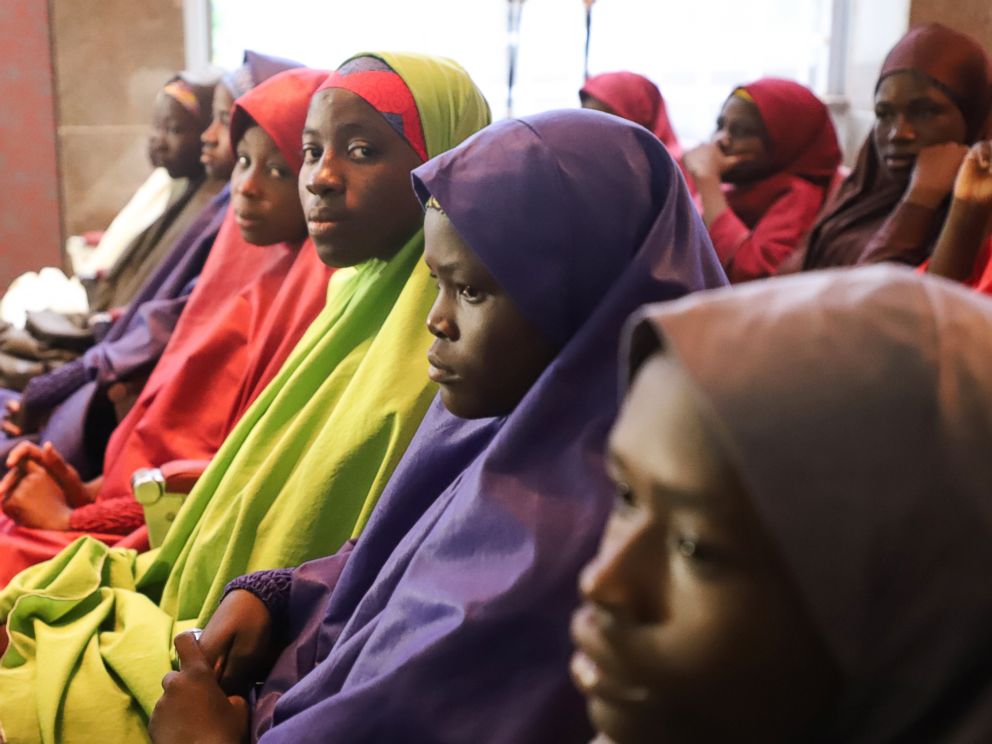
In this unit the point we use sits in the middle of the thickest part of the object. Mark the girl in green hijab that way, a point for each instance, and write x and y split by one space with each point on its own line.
91 630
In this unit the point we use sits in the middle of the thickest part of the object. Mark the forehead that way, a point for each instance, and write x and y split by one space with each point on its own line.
444 247
904 87
336 107
662 433
737 109
223 99
258 142
168 108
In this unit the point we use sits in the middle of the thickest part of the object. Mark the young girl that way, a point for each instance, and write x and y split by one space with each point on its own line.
932 99
251 304
798 551
448 622
77 397
765 175
299 473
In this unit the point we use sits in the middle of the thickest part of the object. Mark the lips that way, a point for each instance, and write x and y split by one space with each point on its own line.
899 160
322 221
595 667
440 372
247 220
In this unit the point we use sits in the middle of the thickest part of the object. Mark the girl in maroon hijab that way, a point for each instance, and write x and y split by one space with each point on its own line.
932 99
799 551
635 98
765 176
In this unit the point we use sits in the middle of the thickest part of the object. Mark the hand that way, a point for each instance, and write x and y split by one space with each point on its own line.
11 425
237 642
36 500
77 493
707 161
934 173
974 181
194 709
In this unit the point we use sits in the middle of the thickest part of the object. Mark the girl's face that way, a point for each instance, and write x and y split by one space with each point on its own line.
263 192
485 355
690 629
911 114
174 142
740 131
355 181
215 151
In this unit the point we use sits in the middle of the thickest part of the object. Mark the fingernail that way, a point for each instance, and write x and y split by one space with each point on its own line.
584 670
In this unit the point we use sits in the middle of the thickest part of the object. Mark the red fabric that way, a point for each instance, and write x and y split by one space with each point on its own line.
637 99
982 278
250 306
386 92
771 216
867 198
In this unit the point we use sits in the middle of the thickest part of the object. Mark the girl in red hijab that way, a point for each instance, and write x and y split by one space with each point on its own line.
249 309
635 98
932 99
765 176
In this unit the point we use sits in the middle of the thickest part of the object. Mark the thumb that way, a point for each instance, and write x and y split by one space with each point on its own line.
239 704
190 654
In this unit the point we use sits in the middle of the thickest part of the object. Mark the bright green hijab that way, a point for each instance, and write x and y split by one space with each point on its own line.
297 476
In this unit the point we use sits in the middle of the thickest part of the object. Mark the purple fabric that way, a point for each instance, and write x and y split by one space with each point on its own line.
456 629
255 68
82 418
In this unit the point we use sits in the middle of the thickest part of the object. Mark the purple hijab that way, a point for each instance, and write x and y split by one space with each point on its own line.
449 621
859 417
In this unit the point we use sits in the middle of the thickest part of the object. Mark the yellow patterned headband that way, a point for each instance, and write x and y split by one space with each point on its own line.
743 94
184 95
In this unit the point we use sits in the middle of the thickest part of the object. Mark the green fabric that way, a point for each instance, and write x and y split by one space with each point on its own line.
91 629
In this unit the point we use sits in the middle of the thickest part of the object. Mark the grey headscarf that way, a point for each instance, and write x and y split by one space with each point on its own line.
857 406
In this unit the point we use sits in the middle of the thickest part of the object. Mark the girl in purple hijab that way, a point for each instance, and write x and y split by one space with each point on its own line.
449 621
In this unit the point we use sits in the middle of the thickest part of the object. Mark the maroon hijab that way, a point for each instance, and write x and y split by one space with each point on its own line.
960 68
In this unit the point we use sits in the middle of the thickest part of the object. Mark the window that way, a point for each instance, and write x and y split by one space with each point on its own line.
696 50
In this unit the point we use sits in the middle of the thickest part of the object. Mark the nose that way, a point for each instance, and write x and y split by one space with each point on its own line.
902 130
246 184
324 177
439 320
209 138
722 140
622 577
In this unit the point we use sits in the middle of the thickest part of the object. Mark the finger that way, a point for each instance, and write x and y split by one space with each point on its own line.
190 654
215 648
23 451
169 679
13 405
57 466
11 429
9 482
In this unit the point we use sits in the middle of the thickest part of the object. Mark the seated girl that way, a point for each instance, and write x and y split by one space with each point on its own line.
249 308
303 467
932 99
635 98
799 551
449 619
964 248
765 176
41 341
80 393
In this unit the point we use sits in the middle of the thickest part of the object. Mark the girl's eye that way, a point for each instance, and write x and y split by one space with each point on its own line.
688 547
310 154
471 294
624 495
243 161
360 152
277 172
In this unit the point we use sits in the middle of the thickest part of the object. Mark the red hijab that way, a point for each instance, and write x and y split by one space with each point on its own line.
247 312
958 66
636 99
801 141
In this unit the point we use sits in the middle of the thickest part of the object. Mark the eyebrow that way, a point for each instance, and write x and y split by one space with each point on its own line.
670 495
445 268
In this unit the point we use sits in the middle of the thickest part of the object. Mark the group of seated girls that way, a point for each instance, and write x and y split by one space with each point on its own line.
388 356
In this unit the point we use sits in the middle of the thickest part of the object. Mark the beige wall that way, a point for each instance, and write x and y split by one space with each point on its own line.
973 17
110 59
